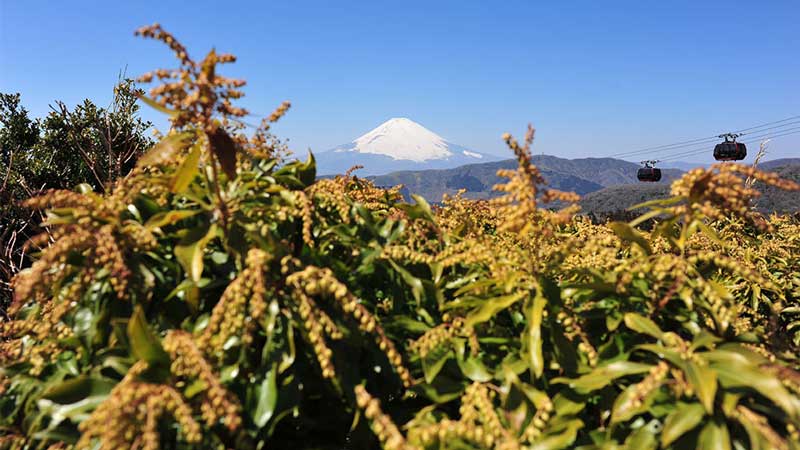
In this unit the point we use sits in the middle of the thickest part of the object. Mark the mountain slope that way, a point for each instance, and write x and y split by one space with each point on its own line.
397 144
775 164
577 175
476 179
616 199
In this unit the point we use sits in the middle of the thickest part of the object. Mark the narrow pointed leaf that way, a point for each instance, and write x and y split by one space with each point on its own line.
714 436
685 418
155 105
643 325
704 381
629 234
267 398
186 171
602 376
534 335
190 253
145 345
166 149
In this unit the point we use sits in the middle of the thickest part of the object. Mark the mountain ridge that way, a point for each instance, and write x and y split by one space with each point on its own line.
581 175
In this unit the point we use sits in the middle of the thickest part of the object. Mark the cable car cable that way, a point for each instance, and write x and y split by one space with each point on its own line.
751 139
704 150
765 124
688 143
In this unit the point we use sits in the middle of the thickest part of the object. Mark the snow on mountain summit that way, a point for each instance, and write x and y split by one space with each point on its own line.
402 138
397 144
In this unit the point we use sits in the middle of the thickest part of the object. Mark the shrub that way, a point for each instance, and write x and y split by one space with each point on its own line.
88 144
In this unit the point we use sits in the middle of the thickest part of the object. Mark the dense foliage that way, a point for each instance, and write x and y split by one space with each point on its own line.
216 298
88 144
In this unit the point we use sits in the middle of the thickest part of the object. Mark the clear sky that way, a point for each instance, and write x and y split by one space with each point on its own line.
595 78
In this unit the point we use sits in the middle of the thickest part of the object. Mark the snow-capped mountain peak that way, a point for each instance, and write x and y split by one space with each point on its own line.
397 144
402 138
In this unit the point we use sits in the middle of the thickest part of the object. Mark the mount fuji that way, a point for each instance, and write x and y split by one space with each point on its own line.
397 144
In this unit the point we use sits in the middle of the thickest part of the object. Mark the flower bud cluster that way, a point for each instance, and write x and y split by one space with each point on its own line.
310 315
720 192
40 277
130 416
539 421
239 309
321 282
382 425
195 91
479 425
756 421
330 195
218 404
572 330
442 335
518 208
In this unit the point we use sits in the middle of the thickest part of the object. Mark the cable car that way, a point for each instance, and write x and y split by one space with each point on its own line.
649 173
730 150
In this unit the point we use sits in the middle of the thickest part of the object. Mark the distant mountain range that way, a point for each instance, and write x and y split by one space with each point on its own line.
581 176
681 165
606 185
397 144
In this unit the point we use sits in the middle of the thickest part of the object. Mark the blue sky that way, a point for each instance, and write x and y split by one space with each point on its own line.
595 78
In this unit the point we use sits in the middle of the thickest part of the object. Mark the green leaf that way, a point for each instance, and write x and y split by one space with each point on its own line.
433 361
714 436
191 250
644 438
560 437
187 170
735 370
643 325
492 306
704 339
704 381
196 387
420 210
78 388
629 403
534 334
166 149
424 207
169 217
710 233
417 290
629 234
153 104
567 403
307 171
474 369
657 202
145 345
267 398
602 376
685 418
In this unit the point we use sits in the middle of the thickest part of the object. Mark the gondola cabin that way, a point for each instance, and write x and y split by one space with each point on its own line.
730 151
649 174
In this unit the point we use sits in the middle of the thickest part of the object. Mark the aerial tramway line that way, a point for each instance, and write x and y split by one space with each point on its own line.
730 149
